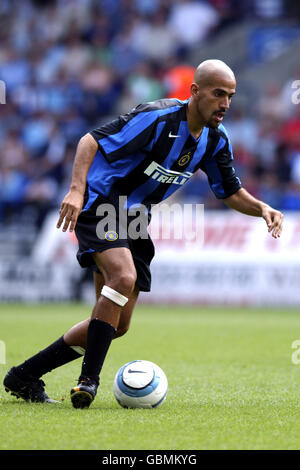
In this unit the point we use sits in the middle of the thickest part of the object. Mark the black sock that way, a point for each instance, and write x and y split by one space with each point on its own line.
55 355
99 337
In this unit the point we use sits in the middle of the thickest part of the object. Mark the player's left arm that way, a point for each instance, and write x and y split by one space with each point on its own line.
244 202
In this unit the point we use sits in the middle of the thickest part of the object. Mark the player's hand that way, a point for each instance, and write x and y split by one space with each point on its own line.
274 220
69 210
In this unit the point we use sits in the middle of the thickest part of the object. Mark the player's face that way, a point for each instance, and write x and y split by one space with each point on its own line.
213 100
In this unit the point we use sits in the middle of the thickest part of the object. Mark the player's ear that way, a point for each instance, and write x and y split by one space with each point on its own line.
195 90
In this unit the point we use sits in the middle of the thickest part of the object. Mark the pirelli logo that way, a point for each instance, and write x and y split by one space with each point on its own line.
163 175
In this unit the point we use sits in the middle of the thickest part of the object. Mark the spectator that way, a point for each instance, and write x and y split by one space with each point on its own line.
15 70
142 85
268 9
70 65
271 105
243 129
177 81
192 21
124 56
295 168
289 133
155 40
77 56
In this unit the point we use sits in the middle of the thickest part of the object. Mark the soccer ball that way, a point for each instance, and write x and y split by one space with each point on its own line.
140 384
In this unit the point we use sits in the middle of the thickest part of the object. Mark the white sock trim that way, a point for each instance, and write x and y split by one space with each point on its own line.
78 349
114 296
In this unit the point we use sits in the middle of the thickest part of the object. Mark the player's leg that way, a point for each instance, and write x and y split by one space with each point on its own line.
126 314
76 336
24 380
119 273
126 311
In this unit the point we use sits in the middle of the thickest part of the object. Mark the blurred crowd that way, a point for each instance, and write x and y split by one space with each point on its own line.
71 65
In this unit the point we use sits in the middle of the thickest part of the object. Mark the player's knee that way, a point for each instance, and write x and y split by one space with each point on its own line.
123 282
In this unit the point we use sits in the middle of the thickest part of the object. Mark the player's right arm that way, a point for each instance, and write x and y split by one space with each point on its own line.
123 136
73 201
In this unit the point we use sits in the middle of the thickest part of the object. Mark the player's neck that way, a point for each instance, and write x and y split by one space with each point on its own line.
194 124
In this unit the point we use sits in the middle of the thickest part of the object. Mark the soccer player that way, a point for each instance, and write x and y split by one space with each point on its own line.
144 155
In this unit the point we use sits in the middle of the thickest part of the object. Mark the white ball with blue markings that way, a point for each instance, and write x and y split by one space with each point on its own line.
140 384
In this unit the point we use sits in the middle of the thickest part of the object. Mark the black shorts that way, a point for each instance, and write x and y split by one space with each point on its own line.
142 249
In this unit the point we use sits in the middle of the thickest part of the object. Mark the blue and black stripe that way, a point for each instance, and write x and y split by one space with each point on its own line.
157 132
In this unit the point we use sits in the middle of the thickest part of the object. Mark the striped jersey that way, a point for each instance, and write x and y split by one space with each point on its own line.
149 153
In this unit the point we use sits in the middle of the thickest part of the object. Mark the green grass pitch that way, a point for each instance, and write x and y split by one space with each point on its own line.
232 383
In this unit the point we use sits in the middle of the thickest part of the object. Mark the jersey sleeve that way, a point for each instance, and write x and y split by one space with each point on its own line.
127 134
220 171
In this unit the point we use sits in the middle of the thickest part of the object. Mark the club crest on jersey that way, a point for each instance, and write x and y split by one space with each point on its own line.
163 175
111 236
184 160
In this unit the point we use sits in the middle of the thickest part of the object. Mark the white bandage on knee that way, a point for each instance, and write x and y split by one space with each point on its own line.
114 296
